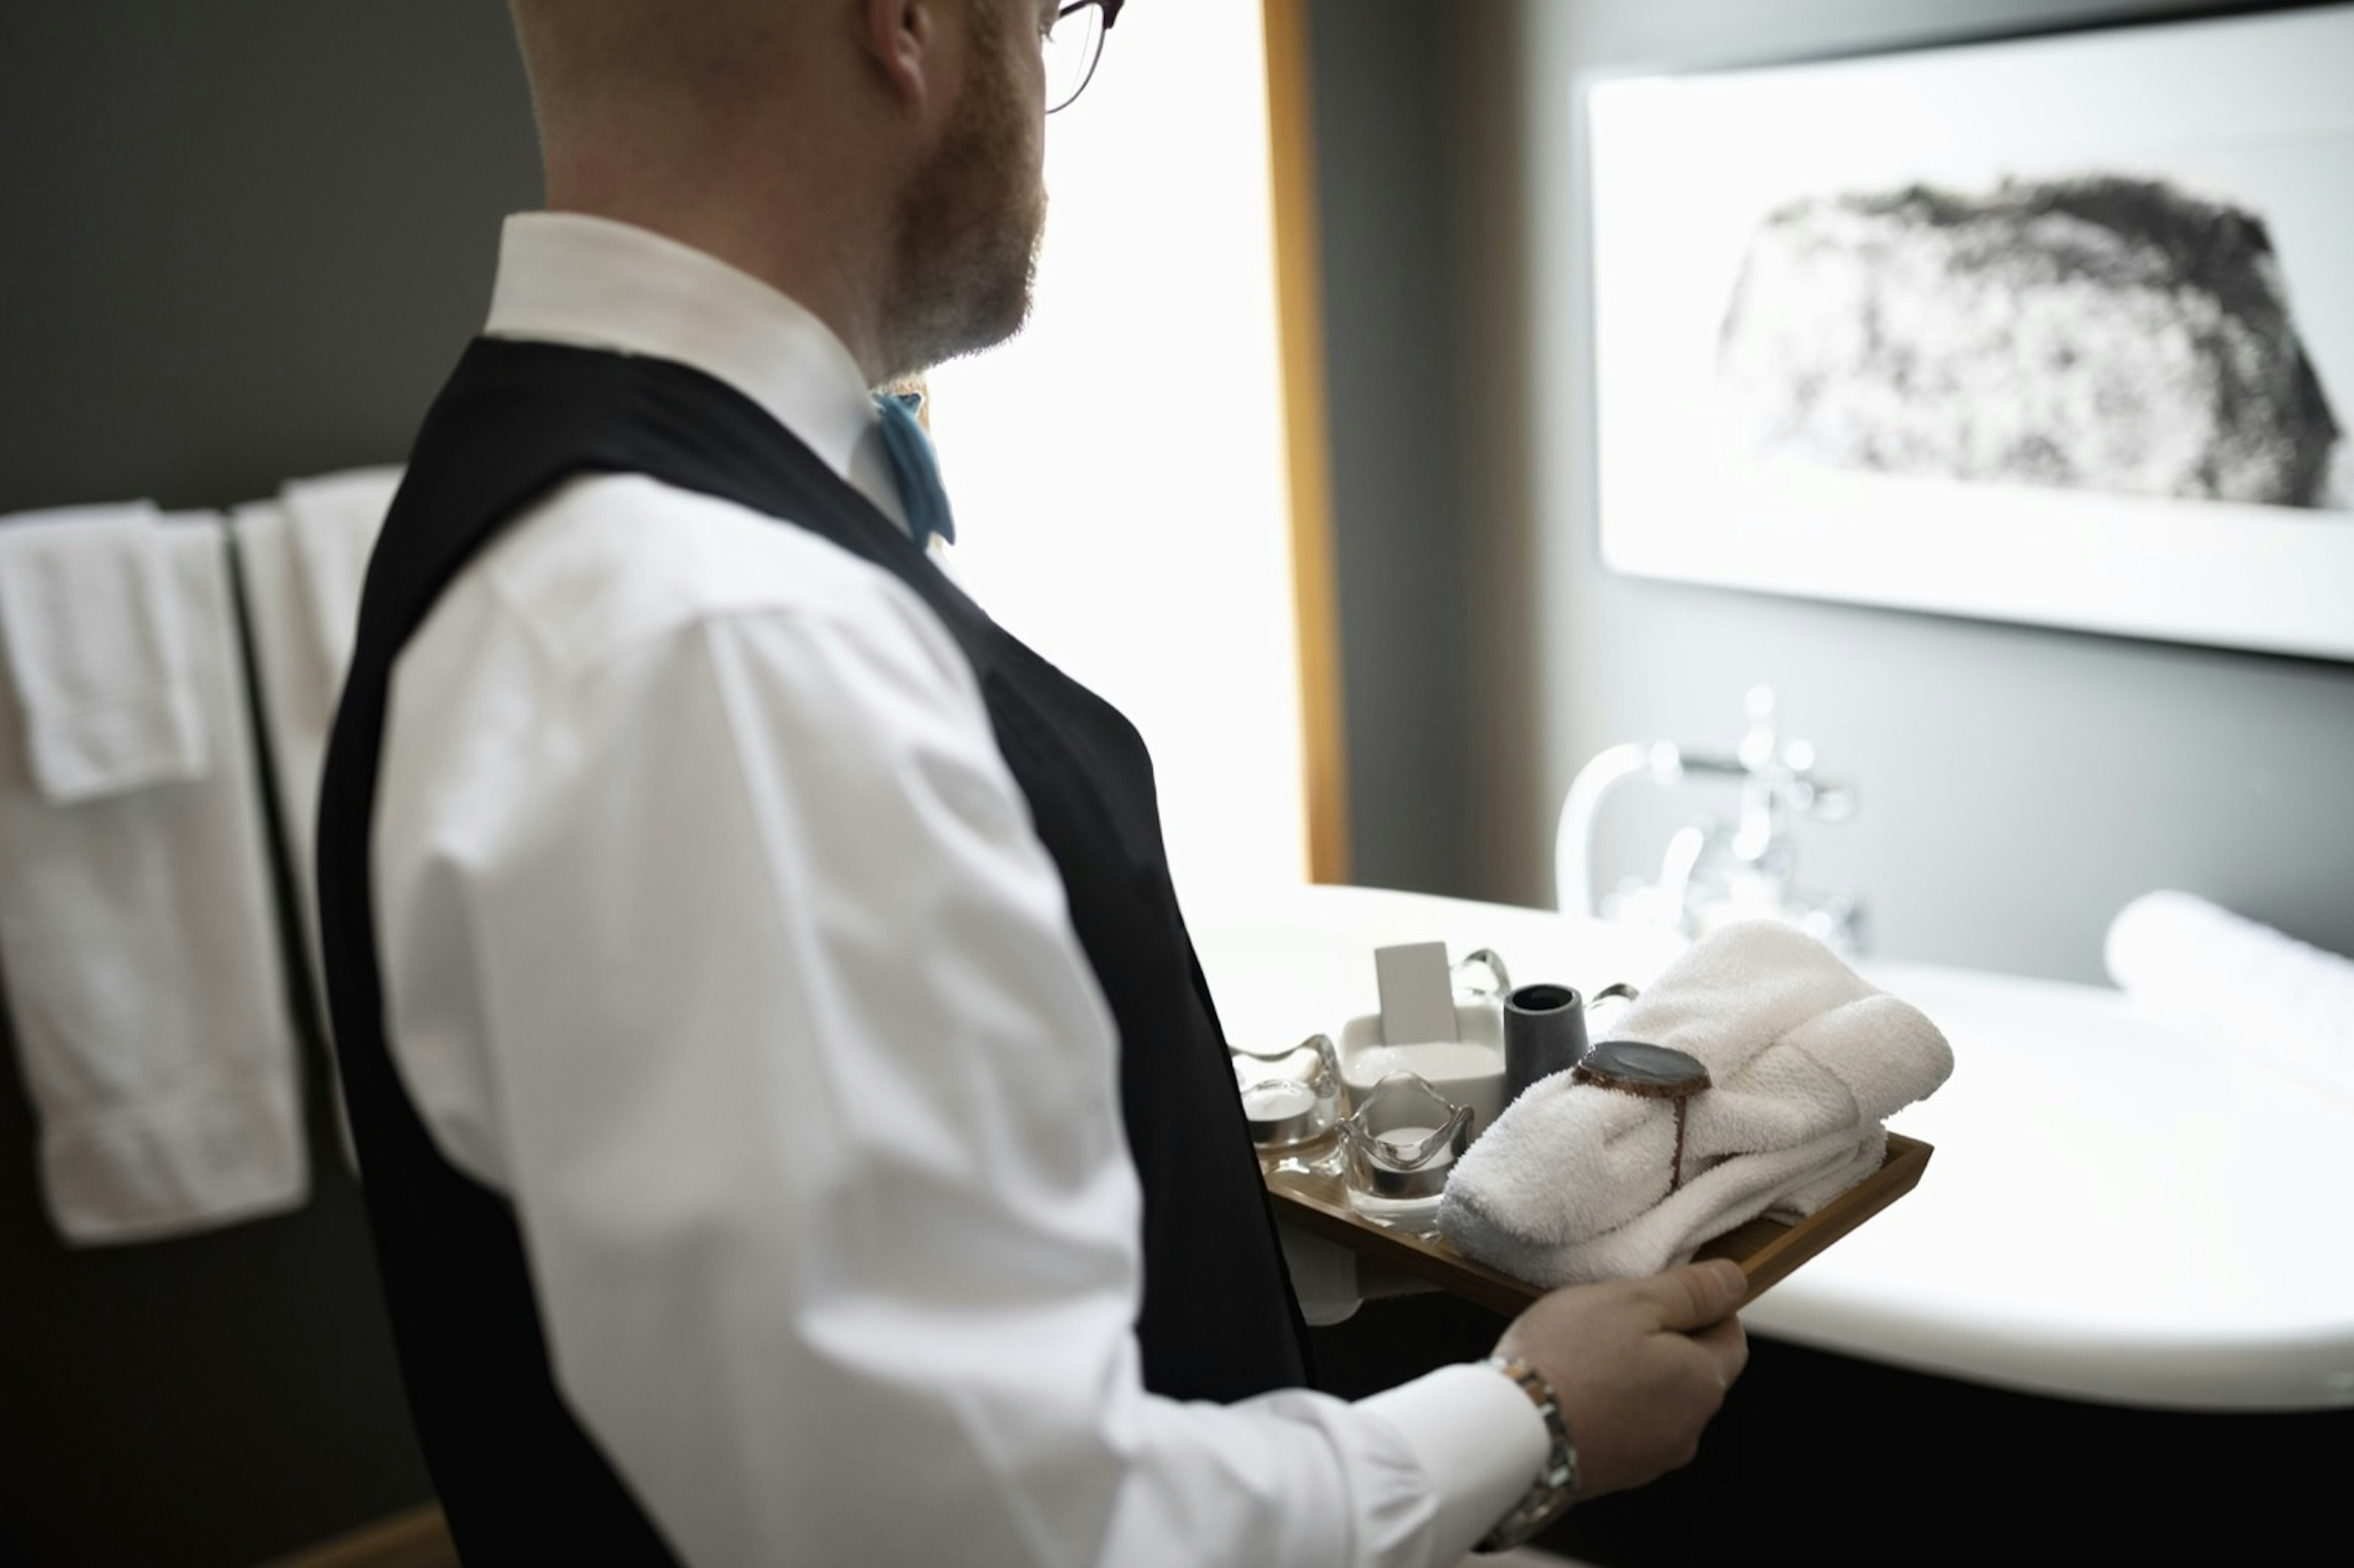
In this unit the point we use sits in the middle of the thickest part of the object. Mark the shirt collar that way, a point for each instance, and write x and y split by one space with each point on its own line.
594 282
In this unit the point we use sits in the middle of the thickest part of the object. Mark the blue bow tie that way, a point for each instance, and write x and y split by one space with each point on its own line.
915 467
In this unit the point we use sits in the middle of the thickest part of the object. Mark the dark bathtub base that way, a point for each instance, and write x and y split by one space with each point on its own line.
1823 1459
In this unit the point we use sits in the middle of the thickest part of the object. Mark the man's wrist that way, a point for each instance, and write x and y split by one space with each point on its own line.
1476 1439
1555 1487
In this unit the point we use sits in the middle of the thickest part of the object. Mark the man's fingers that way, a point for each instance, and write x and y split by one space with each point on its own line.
1726 1345
1698 1293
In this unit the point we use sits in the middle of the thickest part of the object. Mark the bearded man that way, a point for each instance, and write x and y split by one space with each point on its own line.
794 1126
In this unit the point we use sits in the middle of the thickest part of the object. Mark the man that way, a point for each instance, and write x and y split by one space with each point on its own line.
793 1123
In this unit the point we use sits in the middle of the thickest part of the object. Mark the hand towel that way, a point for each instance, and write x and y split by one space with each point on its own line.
93 632
303 557
2253 989
335 520
142 965
1806 1059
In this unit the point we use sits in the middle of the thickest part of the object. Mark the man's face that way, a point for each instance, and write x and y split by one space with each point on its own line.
969 222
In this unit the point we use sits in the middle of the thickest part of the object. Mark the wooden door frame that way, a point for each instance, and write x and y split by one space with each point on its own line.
1299 316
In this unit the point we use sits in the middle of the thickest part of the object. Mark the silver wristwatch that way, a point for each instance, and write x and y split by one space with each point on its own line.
1555 1487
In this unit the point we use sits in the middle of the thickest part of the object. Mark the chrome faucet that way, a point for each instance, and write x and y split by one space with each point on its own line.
1715 872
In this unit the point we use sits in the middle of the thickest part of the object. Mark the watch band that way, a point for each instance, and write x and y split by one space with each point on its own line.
1555 1487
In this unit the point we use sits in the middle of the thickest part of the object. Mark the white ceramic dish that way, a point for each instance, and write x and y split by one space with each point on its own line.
1468 1070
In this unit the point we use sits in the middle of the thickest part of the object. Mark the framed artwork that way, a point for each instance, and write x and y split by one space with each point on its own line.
2055 329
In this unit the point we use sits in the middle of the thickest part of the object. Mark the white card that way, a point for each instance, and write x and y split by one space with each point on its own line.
1417 994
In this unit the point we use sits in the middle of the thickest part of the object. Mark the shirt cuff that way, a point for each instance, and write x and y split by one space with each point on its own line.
1477 1437
1323 1277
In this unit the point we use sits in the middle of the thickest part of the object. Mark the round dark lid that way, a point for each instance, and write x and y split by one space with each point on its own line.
1642 1069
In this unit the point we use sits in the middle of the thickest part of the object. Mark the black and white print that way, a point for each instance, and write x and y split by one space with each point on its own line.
2055 329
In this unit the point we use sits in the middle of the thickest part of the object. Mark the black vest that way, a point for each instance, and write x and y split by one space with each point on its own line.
519 1478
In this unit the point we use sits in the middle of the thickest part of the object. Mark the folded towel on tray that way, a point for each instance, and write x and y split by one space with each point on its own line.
1572 1184
92 630
140 949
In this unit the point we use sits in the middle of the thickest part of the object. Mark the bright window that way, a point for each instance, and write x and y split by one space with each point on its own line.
1118 471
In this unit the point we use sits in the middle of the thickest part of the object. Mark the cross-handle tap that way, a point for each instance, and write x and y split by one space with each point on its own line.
1778 780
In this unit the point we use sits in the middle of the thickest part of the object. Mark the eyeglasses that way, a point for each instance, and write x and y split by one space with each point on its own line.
1072 43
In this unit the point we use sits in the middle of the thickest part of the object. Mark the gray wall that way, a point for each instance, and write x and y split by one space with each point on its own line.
243 241
2019 785
1382 131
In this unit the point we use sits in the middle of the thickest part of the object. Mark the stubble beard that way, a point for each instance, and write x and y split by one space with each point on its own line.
969 227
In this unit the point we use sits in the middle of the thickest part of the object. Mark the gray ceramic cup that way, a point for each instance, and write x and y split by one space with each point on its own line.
1544 1034
1544 1031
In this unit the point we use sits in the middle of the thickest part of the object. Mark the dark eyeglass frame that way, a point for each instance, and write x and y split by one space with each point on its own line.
1110 9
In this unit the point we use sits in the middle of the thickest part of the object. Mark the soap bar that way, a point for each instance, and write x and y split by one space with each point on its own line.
1417 993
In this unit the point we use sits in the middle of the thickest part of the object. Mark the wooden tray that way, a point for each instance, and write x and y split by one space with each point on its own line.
1766 1250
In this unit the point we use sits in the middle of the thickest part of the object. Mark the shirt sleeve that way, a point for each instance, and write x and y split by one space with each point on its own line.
806 1099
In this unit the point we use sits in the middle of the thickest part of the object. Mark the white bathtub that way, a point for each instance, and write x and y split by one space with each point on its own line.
2115 1212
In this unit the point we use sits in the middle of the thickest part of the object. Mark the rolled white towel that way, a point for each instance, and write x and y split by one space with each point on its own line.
2264 992
1572 1183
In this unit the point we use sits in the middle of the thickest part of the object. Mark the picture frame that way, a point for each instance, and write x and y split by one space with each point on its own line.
2055 329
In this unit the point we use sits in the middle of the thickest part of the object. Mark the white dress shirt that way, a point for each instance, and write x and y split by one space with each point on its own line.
716 937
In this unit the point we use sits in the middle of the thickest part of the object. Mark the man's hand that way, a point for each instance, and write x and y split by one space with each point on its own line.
1639 1366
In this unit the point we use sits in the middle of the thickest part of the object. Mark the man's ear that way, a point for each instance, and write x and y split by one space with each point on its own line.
904 40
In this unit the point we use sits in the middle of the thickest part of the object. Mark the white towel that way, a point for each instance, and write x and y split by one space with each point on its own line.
2252 988
1572 1183
142 967
304 558
92 633
335 519
304 555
